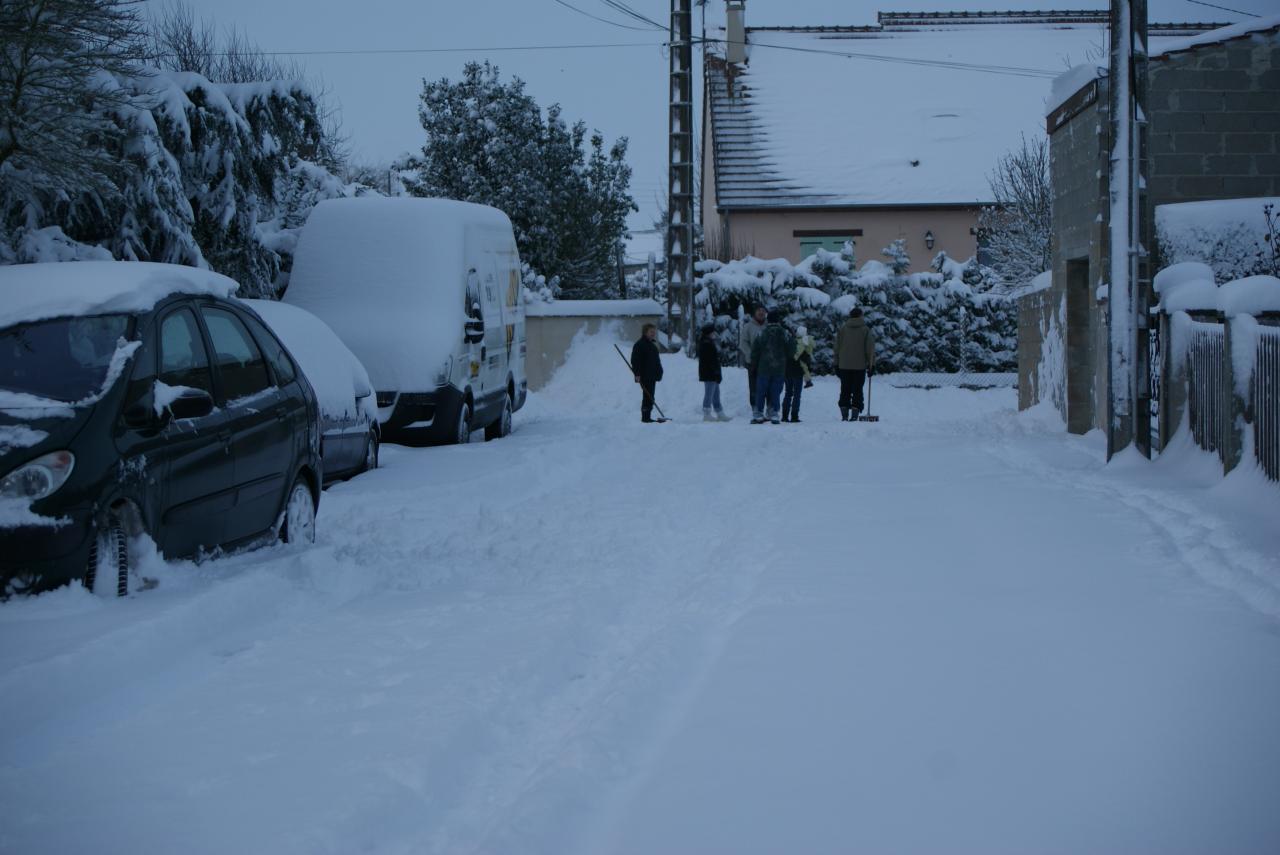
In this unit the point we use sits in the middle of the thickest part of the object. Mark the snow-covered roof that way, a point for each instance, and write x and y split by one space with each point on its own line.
34 292
913 111
1218 35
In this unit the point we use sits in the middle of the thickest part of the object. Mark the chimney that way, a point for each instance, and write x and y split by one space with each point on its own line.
735 49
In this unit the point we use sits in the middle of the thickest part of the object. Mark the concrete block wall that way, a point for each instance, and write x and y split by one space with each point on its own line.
1215 121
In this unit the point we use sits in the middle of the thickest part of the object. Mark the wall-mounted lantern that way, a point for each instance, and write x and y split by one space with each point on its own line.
928 239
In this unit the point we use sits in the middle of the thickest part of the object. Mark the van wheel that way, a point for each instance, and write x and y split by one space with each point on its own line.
299 524
370 452
463 433
501 426
108 567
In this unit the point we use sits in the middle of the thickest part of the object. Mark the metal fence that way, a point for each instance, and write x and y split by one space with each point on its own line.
952 380
1266 402
1208 392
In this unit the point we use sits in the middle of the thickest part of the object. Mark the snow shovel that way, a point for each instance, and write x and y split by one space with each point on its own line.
662 417
868 417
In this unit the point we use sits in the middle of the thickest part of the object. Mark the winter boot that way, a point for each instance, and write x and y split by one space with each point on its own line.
724 417
853 414
757 418
844 414
773 418
708 415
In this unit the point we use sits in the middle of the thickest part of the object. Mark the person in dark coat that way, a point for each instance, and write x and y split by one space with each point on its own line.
747 335
710 374
855 357
647 365
798 363
769 358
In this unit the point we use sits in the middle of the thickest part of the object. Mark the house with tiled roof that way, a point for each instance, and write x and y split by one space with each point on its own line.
815 135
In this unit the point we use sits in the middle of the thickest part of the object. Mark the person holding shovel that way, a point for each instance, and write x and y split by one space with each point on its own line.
855 356
647 366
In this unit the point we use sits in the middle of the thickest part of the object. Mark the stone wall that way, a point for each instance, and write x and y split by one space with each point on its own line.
1215 121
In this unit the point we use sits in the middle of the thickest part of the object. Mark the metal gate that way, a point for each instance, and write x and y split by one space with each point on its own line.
1266 402
1208 393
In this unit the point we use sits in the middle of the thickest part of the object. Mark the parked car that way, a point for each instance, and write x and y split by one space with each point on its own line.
349 433
140 398
426 292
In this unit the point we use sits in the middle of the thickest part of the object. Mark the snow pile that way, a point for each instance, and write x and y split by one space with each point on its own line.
1234 31
594 309
333 370
1069 83
945 321
1189 287
1229 235
19 436
33 292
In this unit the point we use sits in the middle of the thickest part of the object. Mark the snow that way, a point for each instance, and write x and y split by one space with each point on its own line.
1227 234
19 436
1222 34
1069 83
35 292
387 275
334 371
1193 290
923 133
1041 282
1251 295
594 309
1176 275
598 636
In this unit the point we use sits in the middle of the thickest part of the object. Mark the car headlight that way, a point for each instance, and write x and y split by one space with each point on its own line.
444 372
39 478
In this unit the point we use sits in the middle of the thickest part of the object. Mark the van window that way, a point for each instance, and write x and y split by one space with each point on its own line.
183 359
241 365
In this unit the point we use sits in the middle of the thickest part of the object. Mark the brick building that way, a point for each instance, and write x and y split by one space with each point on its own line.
1214 133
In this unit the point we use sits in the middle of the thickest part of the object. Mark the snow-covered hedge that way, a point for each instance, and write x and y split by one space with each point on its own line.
1234 237
947 320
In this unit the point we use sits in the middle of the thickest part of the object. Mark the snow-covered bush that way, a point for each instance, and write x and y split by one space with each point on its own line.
1235 237
948 320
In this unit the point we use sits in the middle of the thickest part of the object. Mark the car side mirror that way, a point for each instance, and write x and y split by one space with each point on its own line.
191 404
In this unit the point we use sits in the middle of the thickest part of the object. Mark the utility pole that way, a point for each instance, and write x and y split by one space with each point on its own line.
680 184
1129 395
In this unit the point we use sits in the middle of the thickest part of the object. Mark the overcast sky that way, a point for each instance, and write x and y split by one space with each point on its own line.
619 89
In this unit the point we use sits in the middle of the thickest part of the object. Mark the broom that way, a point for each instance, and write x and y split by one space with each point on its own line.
868 417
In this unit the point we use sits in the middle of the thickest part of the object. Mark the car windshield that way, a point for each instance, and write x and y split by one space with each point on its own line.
64 359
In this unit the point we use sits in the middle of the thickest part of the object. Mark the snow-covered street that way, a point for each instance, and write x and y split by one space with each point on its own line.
954 631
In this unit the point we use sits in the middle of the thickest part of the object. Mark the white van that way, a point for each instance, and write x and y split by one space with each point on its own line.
426 292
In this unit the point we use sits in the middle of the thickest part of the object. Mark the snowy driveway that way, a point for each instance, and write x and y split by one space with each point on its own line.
952 631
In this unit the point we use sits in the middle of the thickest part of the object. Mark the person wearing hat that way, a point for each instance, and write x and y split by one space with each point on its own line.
747 336
710 374
769 357
855 357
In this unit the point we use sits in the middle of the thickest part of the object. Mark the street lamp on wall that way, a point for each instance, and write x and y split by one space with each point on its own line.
928 239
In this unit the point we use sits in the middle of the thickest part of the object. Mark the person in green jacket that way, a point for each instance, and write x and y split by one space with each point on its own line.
855 358
769 359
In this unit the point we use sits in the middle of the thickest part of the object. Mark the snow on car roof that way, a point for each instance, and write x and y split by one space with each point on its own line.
333 370
869 117
34 292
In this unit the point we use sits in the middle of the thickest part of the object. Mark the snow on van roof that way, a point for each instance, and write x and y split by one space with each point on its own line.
35 292
387 275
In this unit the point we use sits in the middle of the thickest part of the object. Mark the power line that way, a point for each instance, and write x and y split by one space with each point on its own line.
376 51
1008 70
598 18
619 6
1224 8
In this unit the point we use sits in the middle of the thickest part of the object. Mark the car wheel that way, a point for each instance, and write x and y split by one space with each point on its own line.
299 524
463 434
502 424
370 452
108 567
